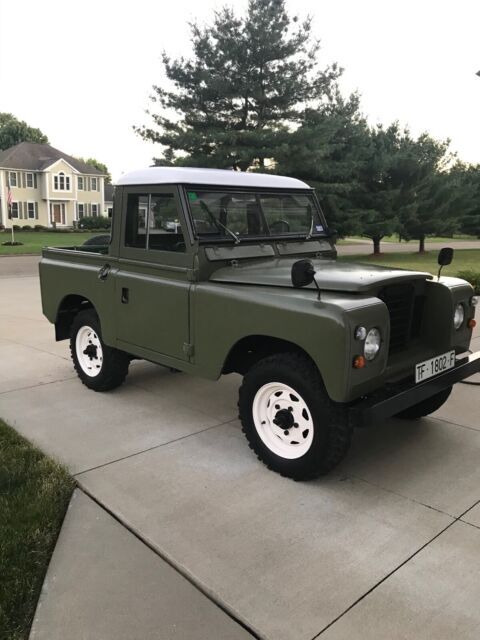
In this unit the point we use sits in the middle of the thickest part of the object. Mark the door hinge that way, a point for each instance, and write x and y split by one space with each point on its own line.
188 349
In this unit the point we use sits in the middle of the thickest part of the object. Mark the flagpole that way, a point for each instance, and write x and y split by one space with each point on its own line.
9 205
11 222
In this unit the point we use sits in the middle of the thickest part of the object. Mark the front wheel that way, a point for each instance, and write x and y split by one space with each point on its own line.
98 366
289 420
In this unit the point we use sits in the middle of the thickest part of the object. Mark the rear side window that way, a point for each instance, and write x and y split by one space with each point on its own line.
152 222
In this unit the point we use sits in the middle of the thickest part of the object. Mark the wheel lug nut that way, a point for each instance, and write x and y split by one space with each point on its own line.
290 408
295 424
277 406
285 433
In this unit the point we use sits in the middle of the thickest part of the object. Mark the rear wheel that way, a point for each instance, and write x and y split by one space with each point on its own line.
289 420
98 366
426 407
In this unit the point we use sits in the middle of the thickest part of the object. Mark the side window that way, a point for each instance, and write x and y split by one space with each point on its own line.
135 227
152 222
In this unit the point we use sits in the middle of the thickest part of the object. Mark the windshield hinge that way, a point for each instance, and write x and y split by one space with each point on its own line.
188 349
234 263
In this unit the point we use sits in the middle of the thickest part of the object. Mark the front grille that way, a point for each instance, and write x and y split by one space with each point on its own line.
405 314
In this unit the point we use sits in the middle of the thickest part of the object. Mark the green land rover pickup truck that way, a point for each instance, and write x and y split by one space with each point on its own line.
212 272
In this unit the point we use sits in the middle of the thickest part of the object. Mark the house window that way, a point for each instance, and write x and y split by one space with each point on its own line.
14 209
32 209
80 210
94 184
110 212
12 177
94 209
29 180
61 182
81 186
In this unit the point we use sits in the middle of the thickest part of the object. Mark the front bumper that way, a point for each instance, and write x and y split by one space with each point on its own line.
395 398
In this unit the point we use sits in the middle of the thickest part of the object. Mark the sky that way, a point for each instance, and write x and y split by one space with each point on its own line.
82 71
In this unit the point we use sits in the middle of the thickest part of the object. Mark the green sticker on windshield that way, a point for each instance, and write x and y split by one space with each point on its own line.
192 196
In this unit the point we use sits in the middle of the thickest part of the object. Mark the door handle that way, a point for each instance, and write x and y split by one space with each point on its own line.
125 294
104 271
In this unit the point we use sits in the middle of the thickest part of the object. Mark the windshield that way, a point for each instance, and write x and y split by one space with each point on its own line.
236 215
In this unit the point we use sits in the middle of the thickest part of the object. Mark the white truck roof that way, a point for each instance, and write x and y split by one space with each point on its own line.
219 177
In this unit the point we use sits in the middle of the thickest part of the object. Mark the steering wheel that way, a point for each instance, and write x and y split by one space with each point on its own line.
284 223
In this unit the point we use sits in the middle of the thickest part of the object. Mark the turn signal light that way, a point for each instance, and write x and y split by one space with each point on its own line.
472 323
359 362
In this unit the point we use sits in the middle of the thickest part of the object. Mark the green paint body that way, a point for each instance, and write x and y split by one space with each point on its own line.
189 310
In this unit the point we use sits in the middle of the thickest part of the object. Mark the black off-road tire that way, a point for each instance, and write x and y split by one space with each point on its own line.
332 431
114 366
426 407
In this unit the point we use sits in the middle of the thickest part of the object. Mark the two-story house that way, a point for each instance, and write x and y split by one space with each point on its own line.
48 187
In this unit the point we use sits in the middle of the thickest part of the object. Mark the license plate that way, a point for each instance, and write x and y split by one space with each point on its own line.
434 366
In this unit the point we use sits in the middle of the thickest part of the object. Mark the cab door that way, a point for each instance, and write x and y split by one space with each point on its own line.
152 282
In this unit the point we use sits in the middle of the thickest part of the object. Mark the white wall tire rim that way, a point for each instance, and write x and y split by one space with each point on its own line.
287 437
89 352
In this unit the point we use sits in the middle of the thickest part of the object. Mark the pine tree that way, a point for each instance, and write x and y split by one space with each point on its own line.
327 151
426 191
378 194
250 78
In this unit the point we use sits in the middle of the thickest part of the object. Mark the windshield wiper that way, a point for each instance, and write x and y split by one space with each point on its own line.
217 223
310 233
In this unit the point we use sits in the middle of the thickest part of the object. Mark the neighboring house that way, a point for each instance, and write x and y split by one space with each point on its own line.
108 194
48 187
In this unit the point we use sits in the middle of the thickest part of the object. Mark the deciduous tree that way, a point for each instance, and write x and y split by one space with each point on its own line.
13 131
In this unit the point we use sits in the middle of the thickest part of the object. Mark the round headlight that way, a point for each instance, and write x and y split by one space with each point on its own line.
474 300
372 344
458 316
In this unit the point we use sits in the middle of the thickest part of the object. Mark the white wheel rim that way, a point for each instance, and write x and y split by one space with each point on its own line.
89 351
287 437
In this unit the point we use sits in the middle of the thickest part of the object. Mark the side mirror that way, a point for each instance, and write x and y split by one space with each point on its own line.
445 256
302 273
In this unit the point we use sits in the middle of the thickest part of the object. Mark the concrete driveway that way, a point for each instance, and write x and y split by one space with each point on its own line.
179 525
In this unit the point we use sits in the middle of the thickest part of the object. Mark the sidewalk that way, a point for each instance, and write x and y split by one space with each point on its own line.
173 509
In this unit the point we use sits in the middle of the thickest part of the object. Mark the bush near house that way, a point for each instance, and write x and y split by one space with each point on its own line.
471 276
34 494
94 222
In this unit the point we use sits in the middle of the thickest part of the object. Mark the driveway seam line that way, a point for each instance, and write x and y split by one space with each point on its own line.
456 424
156 446
470 524
171 563
402 564
401 495
35 386
30 346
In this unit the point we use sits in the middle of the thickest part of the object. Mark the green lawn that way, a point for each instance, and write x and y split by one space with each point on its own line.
34 494
34 241
464 259
394 238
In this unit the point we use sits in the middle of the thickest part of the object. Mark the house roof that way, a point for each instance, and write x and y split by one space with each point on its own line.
108 192
221 177
32 156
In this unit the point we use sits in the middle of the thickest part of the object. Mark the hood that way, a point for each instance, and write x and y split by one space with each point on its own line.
330 275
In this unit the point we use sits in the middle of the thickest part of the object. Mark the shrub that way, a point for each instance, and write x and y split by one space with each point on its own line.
95 222
26 227
16 227
39 227
471 276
